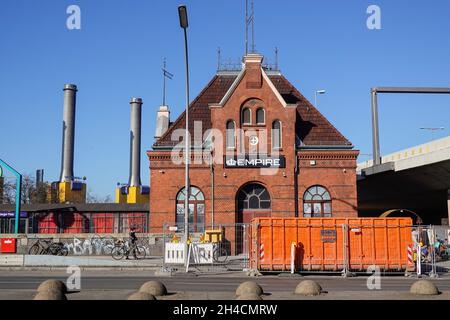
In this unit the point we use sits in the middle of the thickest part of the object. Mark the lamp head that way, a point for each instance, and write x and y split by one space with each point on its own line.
182 12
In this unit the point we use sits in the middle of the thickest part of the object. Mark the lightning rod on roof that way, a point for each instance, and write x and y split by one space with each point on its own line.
276 58
166 74
249 21
218 58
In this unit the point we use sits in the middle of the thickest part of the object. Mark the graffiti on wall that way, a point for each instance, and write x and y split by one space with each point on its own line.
95 245
91 246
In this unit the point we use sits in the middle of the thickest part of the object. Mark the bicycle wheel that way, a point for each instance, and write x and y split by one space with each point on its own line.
54 249
35 248
60 249
63 251
220 255
118 252
140 252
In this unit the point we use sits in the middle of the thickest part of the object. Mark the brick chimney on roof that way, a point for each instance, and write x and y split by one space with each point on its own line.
162 121
252 62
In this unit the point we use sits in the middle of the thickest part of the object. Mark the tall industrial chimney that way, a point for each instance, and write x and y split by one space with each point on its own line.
135 143
68 137
134 191
39 177
67 190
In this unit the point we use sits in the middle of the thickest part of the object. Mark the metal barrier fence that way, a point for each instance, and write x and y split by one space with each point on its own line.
306 247
349 249
77 222
431 249
222 248
87 244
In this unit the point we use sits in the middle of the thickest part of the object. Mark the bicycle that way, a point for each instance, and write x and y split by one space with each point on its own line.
58 249
220 254
122 249
47 246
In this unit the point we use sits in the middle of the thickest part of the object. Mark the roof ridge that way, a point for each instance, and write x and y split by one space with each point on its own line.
317 110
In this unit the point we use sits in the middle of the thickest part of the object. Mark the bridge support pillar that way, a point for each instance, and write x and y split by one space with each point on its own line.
448 206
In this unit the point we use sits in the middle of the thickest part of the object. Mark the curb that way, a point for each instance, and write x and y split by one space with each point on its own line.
83 268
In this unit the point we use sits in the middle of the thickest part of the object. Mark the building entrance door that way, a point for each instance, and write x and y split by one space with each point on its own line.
253 201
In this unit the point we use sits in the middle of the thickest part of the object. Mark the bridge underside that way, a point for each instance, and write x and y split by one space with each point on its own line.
423 190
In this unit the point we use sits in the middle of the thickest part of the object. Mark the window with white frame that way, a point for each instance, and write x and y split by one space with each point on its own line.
316 202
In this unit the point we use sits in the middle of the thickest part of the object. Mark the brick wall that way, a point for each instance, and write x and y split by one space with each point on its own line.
334 169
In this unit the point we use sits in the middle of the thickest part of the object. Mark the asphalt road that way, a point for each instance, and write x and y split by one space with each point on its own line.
131 281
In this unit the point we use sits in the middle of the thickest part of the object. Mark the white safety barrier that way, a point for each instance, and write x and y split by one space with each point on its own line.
293 246
419 260
174 253
201 253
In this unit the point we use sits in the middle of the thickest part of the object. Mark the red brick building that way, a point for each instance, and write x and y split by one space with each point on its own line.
274 154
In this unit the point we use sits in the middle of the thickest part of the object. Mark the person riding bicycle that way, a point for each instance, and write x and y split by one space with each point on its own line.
133 241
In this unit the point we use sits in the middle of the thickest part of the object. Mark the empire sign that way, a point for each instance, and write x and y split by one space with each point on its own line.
255 161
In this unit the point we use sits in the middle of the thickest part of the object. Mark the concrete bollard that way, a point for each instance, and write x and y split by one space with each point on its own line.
424 287
249 296
155 288
50 295
308 288
52 285
249 287
141 296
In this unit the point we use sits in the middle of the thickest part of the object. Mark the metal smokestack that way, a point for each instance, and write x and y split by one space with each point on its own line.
135 143
39 177
68 140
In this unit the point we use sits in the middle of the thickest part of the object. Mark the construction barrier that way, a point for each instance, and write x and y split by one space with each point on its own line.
218 248
174 253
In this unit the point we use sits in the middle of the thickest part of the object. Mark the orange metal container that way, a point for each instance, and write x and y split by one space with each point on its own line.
331 244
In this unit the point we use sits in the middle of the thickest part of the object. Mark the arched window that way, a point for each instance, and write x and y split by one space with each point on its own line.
316 202
276 135
246 116
253 197
231 134
260 116
196 210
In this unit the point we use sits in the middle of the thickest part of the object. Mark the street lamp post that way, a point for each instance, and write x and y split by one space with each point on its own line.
315 96
182 12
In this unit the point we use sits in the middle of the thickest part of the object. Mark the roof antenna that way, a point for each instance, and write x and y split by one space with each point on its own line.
218 59
276 58
246 27
166 74
249 20
252 19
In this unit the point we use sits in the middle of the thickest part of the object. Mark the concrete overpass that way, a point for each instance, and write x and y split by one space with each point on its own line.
417 179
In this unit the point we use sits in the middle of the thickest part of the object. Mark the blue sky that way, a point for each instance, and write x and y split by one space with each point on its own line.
117 54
